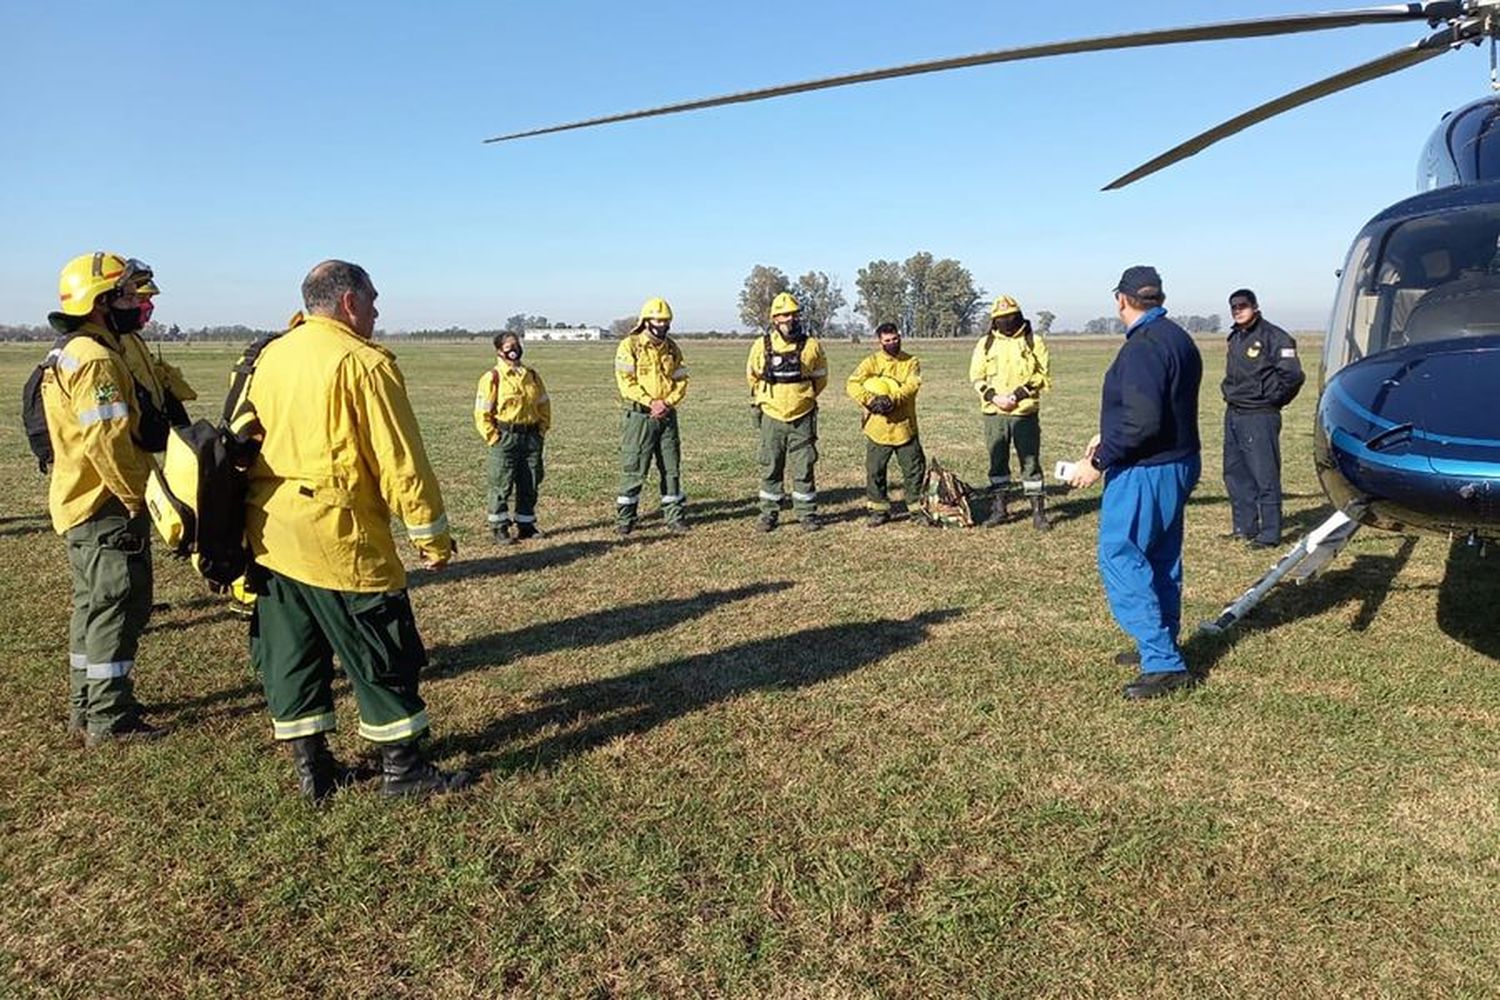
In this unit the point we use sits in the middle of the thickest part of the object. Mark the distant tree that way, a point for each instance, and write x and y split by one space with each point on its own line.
762 284
1042 322
516 323
622 327
951 298
1103 325
821 298
881 292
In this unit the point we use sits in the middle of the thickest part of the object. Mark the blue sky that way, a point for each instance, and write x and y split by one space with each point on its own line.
232 146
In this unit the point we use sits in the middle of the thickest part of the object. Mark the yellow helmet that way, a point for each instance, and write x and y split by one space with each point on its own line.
656 308
879 385
1004 306
88 276
784 304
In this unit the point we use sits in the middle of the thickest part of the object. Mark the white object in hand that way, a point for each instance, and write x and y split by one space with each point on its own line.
1065 471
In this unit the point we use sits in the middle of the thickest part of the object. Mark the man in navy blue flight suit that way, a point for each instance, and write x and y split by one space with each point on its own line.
1147 451
1261 375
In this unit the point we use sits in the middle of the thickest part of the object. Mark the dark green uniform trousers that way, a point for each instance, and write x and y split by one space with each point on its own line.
514 469
1001 432
788 447
642 442
110 558
296 630
913 463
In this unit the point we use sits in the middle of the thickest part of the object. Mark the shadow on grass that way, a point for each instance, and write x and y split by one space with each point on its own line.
1468 598
179 625
25 524
597 628
579 717
526 557
1084 504
1367 580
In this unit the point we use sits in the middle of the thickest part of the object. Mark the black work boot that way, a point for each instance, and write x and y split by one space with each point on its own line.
998 513
317 771
407 773
525 530
1039 513
810 522
131 729
766 522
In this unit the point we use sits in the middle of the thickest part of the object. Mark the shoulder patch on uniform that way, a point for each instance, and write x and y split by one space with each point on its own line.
1288 352
106 392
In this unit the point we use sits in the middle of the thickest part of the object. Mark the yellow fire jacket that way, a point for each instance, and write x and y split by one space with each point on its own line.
1018 364
900 425
510 394
648 370
152 373
786 401
341 454
89 398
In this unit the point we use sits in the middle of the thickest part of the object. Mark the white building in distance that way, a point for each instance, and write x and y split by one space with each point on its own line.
574 333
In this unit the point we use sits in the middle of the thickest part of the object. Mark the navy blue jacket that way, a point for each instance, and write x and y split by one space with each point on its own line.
1148 413
1262 371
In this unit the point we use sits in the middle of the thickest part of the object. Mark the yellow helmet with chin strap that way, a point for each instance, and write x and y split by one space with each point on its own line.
653 309
785 304
88 276
1004 306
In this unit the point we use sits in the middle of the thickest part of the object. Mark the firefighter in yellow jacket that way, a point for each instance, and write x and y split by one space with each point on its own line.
787 370
340 456
885 385
1010 369
97 492
163 382
652 379
513 413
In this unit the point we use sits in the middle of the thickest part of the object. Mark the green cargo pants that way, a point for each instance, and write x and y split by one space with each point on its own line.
110 559
913 463
514 469
788 446
642 442
296 630
1001 431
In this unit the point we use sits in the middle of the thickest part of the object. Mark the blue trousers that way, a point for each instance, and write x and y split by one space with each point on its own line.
1252 472
1140 556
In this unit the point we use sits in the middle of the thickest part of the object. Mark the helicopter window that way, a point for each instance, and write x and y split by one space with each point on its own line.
1429 278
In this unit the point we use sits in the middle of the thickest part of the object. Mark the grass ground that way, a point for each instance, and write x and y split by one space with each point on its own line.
860 763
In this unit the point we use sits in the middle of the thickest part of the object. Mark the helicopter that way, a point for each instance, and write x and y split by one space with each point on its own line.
1403 438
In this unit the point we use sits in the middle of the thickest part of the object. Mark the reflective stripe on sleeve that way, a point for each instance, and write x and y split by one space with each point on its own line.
621 366
481 404
308 725
67 362
108 411
77 661
392 732
108 671
438 527
500 518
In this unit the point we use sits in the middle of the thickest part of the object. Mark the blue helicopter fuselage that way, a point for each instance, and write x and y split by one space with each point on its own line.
1408 424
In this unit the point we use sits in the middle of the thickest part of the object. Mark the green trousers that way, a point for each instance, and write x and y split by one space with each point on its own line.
913 464
788 447
514 470
1001 432
110 559
296 630
642 442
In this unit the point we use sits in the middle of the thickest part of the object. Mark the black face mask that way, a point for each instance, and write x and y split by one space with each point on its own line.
657 332
1008 325
514 354
794 331
892 349
122 321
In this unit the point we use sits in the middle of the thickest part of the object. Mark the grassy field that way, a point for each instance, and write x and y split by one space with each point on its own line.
853 764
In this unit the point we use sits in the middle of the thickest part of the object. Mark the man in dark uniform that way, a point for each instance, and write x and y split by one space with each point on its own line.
1262 375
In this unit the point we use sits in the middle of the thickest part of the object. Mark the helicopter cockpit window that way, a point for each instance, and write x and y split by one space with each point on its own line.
1426 279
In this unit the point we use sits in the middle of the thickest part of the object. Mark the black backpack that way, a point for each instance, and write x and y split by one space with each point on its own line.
197 498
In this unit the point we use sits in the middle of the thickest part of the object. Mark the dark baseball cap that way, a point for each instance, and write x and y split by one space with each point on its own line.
1139 280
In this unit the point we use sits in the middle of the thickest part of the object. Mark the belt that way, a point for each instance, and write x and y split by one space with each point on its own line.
515 428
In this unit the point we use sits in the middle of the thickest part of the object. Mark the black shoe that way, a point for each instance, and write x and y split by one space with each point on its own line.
407 773
1154 685
766 522
317 771
678 528
877 518
1127 658
1234 536
998 514
525 531
1258 544
810 523
624 528
1038 513
131 730
501 535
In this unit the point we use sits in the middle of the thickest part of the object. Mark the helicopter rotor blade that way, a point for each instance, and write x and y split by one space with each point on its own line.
1252 28
1431 46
